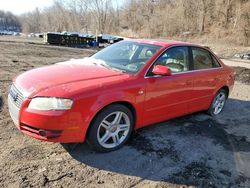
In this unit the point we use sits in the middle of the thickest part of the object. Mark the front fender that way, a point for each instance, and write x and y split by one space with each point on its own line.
101 101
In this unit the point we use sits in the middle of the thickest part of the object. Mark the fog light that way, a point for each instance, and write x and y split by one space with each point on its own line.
42 133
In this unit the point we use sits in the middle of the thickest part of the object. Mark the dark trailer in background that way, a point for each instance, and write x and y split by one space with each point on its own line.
71 40
105 39
79 40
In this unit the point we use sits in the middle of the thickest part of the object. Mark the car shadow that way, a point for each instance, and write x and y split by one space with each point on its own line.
193 150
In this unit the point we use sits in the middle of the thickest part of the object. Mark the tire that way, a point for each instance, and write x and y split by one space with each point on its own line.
111 128
218 103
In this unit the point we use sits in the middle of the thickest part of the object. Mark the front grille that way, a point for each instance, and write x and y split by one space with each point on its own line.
15 101
16 96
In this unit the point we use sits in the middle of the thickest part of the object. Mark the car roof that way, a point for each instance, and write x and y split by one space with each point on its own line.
163 43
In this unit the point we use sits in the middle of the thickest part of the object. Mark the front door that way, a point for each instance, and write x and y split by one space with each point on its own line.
168 96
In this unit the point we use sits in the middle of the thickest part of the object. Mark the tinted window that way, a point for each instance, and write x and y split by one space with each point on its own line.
175 58
203 59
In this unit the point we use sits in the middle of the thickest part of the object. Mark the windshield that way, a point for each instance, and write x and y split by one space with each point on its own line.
127 56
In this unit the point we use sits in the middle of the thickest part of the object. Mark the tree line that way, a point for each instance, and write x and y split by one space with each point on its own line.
9 21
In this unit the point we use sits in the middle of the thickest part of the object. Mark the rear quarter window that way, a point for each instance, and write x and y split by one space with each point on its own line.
215 62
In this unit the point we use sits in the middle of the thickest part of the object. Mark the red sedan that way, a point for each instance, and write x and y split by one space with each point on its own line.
126 86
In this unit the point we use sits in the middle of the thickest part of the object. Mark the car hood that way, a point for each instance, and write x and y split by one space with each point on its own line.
42 78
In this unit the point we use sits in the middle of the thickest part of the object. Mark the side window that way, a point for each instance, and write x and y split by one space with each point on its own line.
202 59
175 58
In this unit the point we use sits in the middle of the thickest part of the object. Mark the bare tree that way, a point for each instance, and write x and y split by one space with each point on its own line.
144 18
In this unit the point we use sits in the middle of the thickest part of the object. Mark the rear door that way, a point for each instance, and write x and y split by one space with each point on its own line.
206 71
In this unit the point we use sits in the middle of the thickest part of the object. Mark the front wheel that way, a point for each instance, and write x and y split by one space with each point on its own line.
111 128
218 103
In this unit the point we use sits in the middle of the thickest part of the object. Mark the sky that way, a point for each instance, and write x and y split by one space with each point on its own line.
18 7
21 6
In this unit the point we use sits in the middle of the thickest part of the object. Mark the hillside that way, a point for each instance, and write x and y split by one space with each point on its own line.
227 20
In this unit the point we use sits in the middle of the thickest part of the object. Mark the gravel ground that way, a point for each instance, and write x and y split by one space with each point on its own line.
194 150
243 75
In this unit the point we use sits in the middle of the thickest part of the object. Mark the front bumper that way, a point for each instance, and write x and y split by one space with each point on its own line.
52 126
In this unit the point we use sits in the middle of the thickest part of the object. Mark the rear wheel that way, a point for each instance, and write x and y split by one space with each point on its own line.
218 103
111 128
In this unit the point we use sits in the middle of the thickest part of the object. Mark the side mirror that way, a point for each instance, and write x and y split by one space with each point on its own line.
162 70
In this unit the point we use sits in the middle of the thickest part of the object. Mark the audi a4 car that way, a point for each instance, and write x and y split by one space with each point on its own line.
126 86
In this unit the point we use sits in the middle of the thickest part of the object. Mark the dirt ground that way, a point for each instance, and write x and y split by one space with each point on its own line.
195 150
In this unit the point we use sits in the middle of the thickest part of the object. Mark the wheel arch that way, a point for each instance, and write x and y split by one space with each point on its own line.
226 88
127 104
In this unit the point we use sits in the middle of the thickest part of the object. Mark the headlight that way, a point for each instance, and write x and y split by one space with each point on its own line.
50 103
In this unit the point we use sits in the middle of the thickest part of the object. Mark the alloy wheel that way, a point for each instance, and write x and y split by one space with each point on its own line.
113 129
219 102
